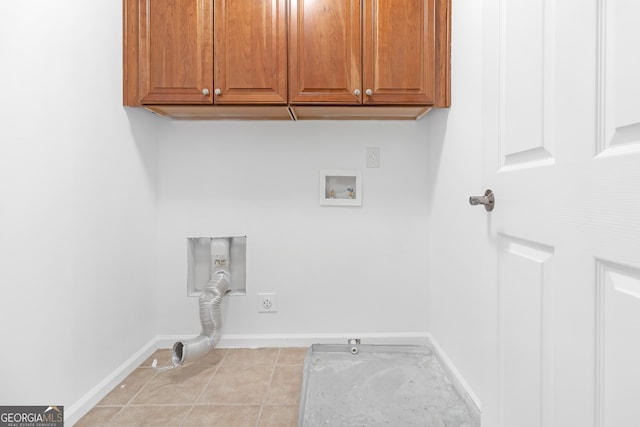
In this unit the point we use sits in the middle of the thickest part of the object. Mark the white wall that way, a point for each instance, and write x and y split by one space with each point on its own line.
462 292
335 269
77 204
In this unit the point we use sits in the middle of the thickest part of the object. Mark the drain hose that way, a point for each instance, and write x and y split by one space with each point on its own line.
210 310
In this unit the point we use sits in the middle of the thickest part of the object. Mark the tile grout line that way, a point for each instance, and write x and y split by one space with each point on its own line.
115 415
266 394
212 375
130 401
196 402
126 405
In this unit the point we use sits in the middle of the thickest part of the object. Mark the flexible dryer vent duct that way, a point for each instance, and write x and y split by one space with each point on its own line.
210 313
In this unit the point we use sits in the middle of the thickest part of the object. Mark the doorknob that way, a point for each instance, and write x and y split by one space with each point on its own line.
488 200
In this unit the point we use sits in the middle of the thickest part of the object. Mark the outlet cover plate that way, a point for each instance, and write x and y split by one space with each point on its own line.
267 302
373 157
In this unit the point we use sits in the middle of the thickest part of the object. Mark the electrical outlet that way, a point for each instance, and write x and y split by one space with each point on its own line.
267 303
373 157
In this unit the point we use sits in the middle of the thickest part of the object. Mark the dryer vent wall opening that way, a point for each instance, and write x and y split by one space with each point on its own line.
201 260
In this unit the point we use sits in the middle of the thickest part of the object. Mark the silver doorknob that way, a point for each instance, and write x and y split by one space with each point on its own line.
356 92
205 91
217 92
488 200
369 92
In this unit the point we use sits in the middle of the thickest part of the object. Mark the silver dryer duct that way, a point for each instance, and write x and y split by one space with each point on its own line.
210 309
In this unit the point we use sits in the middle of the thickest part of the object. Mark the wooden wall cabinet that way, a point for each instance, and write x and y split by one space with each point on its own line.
250 51
338 59
362 52
205 52
168 51
368 52
325 52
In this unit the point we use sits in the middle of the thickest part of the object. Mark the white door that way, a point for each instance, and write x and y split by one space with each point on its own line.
561 132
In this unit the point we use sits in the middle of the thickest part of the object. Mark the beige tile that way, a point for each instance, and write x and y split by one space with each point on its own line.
213 358
222 415
151 416
279 416
123 392
238 385
98 417
163 356
292 356
231 384
181 385
285 386
250 356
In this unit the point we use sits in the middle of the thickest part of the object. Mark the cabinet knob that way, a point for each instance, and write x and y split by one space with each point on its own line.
205 91
217 92
369 92
356 92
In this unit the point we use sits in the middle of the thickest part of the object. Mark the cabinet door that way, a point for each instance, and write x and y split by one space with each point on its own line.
250 51
175 51
398 51
325 51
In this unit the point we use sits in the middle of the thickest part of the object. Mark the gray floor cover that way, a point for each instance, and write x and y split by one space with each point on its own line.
379 386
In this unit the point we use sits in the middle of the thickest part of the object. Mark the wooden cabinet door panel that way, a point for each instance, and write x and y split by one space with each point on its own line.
399 51
175 51
250 51
325 51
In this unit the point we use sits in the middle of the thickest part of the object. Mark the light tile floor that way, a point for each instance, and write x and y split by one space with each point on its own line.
227 387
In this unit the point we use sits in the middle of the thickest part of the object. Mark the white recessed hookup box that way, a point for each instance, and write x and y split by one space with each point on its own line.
340 187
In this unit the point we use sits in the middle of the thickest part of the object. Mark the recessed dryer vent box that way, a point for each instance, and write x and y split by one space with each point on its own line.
199 264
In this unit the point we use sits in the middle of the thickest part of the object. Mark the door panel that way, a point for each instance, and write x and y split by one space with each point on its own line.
618 346
325 51
525 297
398 55
527 83
619 69
175 51
250 51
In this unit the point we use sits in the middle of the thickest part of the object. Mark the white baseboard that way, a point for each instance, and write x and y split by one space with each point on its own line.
459 383
304 340
80 408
